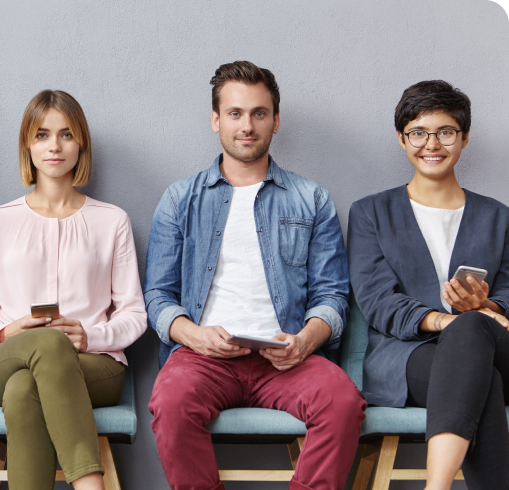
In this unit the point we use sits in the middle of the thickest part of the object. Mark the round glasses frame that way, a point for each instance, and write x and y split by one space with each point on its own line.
437 134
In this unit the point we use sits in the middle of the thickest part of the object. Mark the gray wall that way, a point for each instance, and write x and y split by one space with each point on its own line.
141 68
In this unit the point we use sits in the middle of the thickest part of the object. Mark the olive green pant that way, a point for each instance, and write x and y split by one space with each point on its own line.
48 392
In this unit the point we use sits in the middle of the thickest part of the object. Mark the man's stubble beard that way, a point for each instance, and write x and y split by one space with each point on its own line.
236 153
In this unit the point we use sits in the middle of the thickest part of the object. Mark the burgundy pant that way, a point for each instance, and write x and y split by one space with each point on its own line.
191 389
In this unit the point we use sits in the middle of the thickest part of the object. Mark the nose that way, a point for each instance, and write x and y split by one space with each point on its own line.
247 124
432 142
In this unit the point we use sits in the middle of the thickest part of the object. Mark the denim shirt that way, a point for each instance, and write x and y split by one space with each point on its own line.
300 240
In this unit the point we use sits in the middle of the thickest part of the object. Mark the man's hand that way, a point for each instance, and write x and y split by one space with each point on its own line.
209 341
22 324
289 356
314 334
74 330
496 316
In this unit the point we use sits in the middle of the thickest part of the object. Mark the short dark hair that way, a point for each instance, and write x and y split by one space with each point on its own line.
244 72
433 96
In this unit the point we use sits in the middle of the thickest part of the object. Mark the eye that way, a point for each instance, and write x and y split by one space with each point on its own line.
446 132
418 134
67 136
234 114
259 114
40 136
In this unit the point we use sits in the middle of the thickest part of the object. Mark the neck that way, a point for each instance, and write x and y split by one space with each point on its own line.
444 194
241 174
55 197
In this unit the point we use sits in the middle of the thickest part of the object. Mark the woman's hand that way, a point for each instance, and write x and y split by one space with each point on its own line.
24 323
496 316
74 330
460 299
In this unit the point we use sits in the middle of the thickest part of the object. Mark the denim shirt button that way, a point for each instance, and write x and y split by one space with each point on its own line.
268 262
218 233
225 200
198 305
261 229
282 221
276 299
209 268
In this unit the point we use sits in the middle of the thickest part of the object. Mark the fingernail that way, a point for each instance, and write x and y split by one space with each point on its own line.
470 279
48 319
247 351
47 325
235 348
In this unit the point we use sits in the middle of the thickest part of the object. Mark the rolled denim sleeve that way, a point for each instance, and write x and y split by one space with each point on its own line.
163 275
329 316
328 279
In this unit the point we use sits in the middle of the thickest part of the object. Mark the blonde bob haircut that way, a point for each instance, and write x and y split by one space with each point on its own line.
75 117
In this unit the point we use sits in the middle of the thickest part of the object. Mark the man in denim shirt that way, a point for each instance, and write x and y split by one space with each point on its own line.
246 247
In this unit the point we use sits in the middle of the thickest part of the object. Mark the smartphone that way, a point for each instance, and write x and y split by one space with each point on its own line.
256 343
45 310
463 271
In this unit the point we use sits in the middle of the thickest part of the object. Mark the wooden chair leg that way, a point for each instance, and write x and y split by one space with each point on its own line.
385 465
294 450
110 473
364 467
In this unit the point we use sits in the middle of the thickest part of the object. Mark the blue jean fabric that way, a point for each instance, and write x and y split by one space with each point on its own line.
300 240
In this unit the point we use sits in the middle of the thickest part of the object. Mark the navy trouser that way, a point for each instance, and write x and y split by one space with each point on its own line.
463 381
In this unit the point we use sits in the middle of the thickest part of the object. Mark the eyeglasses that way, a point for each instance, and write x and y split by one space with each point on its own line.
446 137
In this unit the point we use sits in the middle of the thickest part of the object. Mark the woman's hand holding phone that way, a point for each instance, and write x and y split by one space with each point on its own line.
74 330
460 299
22 324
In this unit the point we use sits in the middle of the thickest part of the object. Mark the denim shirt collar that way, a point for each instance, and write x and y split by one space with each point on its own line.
274 173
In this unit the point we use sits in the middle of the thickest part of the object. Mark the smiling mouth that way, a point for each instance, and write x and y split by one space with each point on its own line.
433 159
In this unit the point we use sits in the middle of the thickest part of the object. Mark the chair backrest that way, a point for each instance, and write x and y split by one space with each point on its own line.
354 342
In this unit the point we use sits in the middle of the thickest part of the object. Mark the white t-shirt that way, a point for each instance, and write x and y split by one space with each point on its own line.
439 228
239 299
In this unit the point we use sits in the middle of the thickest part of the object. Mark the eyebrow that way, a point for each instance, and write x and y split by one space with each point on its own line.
446 126
44 129
254 109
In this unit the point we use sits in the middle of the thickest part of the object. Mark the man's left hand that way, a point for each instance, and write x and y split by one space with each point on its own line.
315 333
289 356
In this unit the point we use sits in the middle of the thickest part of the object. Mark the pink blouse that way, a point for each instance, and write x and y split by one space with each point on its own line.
85 262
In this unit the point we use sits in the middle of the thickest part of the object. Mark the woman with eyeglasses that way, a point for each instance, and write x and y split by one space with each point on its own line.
434 341
59 246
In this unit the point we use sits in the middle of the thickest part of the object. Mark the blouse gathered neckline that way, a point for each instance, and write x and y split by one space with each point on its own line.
73 215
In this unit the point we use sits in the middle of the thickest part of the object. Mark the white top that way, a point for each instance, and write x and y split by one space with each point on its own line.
85 262
439 228
239 299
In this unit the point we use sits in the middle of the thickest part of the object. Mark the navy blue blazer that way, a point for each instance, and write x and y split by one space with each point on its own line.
395 281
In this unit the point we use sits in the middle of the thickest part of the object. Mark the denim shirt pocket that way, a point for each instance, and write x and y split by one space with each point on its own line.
294 237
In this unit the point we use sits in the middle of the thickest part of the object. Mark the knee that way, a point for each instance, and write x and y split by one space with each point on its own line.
53 343
20 394
173 398
469 326
338 394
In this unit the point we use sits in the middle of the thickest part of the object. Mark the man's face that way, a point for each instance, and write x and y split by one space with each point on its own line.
246 121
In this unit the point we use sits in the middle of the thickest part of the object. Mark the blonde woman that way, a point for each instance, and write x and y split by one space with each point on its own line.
58 245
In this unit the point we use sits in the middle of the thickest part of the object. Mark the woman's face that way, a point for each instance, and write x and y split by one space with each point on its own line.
54 150
434 160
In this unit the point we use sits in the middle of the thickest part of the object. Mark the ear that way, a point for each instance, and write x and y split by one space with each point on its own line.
214 122
277 121
465 140
401 139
